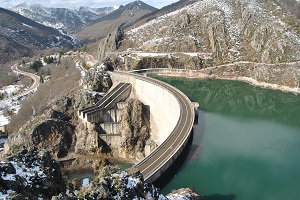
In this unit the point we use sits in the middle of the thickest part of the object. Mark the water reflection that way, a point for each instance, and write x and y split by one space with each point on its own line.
240 99
247 143
220 197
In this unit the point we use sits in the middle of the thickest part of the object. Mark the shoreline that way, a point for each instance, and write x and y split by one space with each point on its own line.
251 81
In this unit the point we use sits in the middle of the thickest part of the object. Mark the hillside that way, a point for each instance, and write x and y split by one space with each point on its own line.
124 16
159 12
21 37
259 39
64 18
235 30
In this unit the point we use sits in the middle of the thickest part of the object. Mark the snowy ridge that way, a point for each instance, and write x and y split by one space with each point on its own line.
61 17
235 28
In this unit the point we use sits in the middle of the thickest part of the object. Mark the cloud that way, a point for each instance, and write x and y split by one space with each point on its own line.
78 3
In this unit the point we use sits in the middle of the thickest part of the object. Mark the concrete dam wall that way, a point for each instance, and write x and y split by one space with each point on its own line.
164 108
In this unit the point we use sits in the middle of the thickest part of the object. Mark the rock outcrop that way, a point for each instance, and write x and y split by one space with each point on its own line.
30 174
185 193
51 132
97 80
87 139
134 131
110 43
258 32
54 135
58 130
114 183
34 174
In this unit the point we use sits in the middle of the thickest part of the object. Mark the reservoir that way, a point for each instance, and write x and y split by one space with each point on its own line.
246 145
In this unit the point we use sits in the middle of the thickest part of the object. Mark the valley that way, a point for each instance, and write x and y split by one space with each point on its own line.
58 62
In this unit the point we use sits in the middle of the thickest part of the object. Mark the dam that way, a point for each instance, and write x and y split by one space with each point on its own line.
171 116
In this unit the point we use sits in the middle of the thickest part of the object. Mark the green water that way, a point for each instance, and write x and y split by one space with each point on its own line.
246 145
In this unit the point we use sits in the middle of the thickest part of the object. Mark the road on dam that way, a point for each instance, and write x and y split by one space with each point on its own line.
158 160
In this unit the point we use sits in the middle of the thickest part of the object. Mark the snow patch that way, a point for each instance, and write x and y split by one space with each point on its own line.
27 25
85 181
10 90
3 120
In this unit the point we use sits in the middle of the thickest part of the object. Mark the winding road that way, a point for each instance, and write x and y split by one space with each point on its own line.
35 78
36 83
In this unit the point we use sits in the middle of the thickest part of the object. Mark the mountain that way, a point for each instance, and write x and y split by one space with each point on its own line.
260 31
163 11
21 37
255 39
64 18
124 16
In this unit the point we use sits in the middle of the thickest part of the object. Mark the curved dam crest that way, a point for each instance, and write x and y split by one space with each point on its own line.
171 121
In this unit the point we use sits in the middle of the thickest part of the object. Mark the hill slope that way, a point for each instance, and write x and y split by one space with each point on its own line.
236 39
125 16
233 30
20 36
61 17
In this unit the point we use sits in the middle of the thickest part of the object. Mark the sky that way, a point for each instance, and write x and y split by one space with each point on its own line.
78 3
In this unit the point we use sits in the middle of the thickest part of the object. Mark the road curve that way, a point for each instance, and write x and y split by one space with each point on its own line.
159 159
35 78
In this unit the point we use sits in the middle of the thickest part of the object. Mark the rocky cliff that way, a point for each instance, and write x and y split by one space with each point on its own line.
97 80
110 43
34 174
135 131
30 174
50 131
58 129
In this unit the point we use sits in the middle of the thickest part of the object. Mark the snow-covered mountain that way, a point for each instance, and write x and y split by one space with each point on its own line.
256 39
61 17
124 15
260 31
21 37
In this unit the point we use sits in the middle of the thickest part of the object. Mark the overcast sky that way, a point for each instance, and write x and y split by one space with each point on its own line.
78 3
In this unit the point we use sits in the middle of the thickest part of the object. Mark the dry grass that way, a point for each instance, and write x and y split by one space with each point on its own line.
7 77
64 78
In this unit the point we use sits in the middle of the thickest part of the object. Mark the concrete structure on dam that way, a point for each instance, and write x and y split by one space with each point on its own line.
96 113
163 105
171 120
171 116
